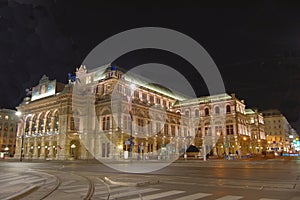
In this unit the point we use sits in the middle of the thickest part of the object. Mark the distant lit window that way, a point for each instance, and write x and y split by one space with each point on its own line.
6 117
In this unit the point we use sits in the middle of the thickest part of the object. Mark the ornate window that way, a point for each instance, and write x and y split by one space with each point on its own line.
206 111
228 109
217 110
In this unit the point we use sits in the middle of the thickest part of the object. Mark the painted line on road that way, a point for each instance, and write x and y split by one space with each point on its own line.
115 189
194 196
130 193
230 197
268 199
160 195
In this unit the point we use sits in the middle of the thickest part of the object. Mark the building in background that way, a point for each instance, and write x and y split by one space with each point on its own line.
278 130
8 131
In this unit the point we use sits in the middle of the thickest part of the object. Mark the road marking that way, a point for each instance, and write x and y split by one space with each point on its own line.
160 195
104 191
193 196
268 199
14 178
130 193
230 197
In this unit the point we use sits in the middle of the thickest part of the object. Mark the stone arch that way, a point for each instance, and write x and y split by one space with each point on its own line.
105 111
228 108
55 116
48 123
217 109
33 123
40 122
206 111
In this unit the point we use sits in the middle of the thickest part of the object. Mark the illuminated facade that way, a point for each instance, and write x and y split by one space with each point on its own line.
61 124
256 127
277 130
8 129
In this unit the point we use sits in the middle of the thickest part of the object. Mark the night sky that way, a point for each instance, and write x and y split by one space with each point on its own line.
255 45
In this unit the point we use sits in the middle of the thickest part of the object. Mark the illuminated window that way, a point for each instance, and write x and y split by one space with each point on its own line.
229 130
6 117
105 123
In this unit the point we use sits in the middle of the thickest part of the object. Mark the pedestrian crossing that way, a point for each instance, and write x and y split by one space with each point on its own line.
103 191
145 193
151 193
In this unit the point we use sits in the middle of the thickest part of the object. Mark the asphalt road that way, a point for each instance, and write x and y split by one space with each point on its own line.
182 180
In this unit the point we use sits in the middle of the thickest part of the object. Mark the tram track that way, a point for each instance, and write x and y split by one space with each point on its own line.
56 184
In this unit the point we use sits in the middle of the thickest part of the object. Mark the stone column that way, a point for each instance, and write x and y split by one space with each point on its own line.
37 129
42 155
45 124
51 153
27 154
35 149
30 127
52 124
63 151
154 146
